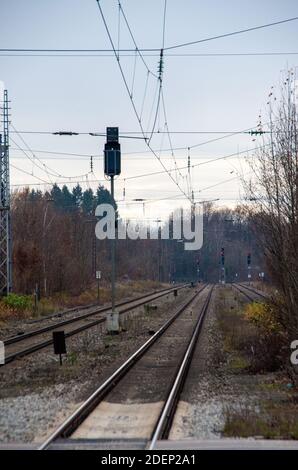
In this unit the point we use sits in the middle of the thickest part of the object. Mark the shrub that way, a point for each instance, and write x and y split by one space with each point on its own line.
263 317
269 343
18 302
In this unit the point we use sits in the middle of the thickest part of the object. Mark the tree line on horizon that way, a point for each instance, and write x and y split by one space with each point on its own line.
55 247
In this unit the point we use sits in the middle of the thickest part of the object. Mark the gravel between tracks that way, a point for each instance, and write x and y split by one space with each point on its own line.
211 388
36 394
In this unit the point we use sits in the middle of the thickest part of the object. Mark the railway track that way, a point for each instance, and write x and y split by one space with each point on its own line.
252 298
141 396
35 340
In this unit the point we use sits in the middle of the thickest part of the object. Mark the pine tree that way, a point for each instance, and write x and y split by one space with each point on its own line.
88 201
77 194
68 202
56 195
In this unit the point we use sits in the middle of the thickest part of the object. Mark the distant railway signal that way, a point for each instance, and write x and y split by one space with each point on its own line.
222 269
112 153
249 267
112 168
222 256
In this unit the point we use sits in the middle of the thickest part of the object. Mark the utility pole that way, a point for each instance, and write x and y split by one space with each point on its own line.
44 232
5 217
113 253
112 168
223 270
159 252
94 256
160 277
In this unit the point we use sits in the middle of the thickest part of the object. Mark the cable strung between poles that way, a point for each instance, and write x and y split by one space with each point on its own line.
132 101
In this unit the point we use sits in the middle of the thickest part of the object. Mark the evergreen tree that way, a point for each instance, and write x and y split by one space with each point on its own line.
88 201
68 201
56 195
77 194
103 196
35 195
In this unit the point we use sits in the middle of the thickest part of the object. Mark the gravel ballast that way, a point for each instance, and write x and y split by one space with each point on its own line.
36 394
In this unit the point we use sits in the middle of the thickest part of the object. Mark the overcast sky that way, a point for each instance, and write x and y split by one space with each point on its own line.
86 94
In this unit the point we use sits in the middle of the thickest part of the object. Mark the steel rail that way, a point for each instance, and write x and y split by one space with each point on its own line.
255 291
36 347
73 422
167 414
242 288
44 329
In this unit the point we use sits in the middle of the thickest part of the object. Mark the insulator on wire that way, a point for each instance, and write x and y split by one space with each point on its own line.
160 65
188 160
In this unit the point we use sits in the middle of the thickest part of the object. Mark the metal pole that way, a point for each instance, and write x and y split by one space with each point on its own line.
5 222
44 249
113 248
159 254
9 237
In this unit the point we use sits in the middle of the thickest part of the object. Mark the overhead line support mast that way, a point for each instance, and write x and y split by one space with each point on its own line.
5 216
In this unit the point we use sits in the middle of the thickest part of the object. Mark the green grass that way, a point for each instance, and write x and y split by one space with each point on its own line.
18 302
22 306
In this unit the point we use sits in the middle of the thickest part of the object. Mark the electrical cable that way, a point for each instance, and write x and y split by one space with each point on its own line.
132 102
176 46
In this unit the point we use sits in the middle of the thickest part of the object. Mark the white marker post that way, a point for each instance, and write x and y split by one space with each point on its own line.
98 277
2 353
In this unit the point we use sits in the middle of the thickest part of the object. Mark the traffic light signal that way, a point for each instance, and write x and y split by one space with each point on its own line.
222 255
248 259
112 153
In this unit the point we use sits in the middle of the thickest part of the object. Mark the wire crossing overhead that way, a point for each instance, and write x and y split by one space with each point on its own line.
133 54
134 104
176 46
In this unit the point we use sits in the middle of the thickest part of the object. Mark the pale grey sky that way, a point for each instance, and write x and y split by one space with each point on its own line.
202 93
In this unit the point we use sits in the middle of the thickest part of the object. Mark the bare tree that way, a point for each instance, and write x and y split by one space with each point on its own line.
272 191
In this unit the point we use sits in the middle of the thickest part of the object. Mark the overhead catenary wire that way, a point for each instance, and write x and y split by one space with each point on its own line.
137 50
180 131
169 135
85 155
155 173
202 54
227 134
132 101
233 33
34 159
160 72
126 134
173 197
193 165
175 46
144 202
28 173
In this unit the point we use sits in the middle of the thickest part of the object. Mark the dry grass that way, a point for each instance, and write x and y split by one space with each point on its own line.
251 335
63 300
253 341
270 421
237 333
